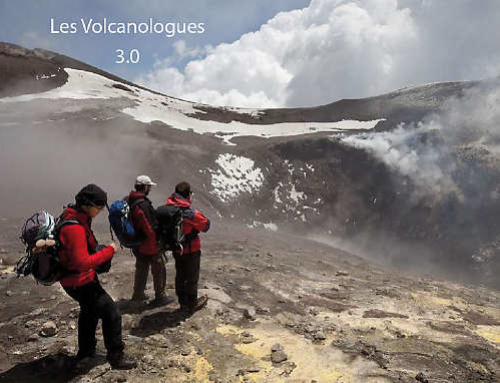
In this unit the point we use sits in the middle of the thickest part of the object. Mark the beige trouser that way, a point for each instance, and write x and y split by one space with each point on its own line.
142 263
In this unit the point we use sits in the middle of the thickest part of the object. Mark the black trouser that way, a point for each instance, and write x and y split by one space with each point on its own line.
187 273
96 304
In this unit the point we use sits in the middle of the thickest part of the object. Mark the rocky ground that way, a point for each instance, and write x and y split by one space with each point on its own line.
281 309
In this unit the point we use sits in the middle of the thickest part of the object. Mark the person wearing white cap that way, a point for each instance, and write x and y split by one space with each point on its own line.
144 180
147 253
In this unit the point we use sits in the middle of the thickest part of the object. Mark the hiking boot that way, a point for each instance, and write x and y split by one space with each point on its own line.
86 354
139 297
121 361
200 303
83 364
162 301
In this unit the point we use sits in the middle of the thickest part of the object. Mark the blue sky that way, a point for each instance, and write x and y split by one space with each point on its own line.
27 23
264 53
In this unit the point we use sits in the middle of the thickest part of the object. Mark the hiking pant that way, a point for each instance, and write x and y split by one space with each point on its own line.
187 274
142 264
96 304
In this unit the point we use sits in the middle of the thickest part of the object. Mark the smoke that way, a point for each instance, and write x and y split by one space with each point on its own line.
47 155
426 152
409 152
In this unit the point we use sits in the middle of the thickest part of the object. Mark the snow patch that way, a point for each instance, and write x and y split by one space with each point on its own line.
44 76
236 175
177 113
269 226
296 196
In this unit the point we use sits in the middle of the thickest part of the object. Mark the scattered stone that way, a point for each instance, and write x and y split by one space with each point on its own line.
249 313
319 335
421 377
48 329
147 359
278 357
33 338
103 281
341 273
240 372
157 340
269 254
253 369
121 379
382 314
263 310
246 334
9 293
68 350
128 321
53 297
276 347
74 312
10 337
314 311
185 352
38 312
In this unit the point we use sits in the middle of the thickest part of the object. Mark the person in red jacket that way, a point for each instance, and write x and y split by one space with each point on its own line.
187 263
79 254
147 254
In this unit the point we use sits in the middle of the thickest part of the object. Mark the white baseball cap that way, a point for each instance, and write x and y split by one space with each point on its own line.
144 180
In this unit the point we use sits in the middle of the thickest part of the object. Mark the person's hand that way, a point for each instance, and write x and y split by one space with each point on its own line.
114 246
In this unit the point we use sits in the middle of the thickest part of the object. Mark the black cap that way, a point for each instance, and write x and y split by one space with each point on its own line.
91 195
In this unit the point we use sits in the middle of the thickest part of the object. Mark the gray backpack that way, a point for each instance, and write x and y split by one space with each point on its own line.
40 237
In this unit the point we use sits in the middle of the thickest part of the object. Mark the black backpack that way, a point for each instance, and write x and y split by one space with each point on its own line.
40 235
170 231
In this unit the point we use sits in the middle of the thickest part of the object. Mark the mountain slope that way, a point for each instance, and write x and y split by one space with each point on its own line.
407 179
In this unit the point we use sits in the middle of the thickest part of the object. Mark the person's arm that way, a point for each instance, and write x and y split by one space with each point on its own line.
198 221
74 239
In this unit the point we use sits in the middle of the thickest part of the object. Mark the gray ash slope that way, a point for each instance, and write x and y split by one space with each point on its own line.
321 184
432 204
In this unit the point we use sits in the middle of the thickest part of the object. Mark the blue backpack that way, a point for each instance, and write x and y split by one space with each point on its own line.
121 223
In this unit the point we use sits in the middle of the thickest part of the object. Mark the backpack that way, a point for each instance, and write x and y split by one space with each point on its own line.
170 230
40 235
121 223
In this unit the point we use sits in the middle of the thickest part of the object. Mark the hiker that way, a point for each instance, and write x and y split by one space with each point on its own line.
187 262
147 253
79 255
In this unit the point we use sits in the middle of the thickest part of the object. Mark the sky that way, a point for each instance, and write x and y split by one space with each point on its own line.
280 53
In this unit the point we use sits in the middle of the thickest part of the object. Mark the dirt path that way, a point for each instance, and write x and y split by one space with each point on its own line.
282 309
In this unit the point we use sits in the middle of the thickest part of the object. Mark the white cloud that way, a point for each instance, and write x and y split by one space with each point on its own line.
339 49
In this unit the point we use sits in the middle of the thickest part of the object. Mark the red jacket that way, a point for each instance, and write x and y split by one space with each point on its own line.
76 240
144 222
193 221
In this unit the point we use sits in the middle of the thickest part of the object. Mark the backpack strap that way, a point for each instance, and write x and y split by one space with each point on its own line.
135 203
65 222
